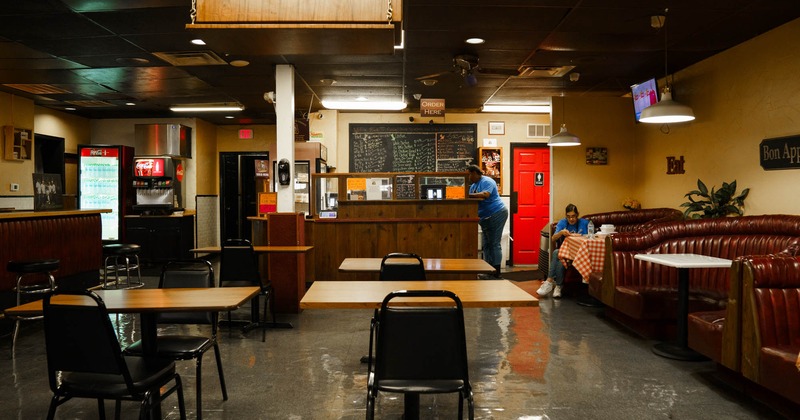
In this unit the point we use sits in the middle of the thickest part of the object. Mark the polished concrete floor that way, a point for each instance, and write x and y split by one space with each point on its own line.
558 361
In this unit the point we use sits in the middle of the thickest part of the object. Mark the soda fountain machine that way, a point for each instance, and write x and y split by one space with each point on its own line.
157 180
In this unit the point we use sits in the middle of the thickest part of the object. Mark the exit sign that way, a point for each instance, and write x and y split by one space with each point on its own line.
245 133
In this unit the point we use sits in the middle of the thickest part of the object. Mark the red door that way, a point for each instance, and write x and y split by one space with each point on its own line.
530 201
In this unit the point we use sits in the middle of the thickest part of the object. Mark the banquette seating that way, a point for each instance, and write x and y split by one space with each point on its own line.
623 221
644 295
51 238
633 220
770 324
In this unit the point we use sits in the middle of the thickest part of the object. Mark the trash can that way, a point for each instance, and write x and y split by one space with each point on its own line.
544 249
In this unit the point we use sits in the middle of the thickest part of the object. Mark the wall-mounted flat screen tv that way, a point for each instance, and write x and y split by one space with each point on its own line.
644 94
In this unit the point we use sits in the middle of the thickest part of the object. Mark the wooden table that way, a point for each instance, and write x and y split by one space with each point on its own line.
149 302
289 285
259 249
433 265
370 294
683 262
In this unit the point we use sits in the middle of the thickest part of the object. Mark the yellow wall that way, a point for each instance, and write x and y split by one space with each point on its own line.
740 97
598 122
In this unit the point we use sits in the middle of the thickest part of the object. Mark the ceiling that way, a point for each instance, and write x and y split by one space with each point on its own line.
99 55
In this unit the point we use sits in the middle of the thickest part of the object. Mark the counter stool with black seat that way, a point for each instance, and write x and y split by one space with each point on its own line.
24 285
121 257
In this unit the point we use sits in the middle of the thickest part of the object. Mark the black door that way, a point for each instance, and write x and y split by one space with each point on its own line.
238 193
49 156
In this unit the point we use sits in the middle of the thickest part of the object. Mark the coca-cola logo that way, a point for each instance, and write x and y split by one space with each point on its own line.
95 152
179 172
144 167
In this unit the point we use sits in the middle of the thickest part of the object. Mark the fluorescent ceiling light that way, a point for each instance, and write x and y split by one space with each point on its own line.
198 41
533 109
206 108
475 41
365 105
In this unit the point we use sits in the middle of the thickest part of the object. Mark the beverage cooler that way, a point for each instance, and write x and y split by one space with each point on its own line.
104 182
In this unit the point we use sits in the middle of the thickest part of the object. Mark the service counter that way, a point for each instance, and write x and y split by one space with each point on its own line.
372 229
72 236
162 238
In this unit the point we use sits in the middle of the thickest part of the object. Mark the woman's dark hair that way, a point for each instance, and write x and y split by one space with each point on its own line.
571 207
475 168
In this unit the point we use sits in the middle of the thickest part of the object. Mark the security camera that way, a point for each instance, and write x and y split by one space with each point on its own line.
573 77
417 96
269 97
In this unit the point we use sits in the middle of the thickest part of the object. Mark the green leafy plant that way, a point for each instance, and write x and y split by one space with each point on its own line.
703 204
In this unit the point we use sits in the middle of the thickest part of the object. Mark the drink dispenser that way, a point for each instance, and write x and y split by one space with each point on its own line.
157 180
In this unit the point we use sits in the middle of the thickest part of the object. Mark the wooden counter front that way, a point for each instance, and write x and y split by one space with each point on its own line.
372 229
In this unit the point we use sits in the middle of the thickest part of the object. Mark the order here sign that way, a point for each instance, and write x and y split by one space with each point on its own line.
431 107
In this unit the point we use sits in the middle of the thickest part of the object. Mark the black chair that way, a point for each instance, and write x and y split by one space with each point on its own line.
176 274
402 270
419 350
84 359
239 267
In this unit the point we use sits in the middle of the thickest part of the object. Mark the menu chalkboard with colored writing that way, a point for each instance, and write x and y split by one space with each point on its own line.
412 147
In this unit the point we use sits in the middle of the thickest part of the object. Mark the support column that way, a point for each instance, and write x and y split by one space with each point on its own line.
284 111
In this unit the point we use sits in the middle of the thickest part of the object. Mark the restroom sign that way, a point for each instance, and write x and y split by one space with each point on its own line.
538 179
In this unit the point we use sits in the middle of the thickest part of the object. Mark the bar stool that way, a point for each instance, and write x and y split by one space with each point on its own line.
121 257
24 268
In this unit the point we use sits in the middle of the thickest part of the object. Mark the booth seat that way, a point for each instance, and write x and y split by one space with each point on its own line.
717 334
623 221
770 324
644 295
74 238
633 220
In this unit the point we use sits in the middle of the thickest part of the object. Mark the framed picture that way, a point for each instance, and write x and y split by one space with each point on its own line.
596 156
497 127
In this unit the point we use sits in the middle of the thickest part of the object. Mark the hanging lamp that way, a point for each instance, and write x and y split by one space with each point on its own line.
564 137
667 110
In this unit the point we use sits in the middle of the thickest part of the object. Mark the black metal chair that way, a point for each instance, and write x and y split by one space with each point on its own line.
239 267
177 274
84 359
419 350
393 270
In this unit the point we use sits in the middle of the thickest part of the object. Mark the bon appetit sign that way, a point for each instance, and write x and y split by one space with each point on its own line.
780 153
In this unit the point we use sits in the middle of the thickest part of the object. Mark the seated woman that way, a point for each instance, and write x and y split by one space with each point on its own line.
570 225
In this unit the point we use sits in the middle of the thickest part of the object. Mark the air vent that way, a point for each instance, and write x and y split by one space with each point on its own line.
91 104
37 89
545 71
191 58
537 131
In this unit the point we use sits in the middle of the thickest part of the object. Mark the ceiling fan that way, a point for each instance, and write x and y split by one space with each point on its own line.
465 66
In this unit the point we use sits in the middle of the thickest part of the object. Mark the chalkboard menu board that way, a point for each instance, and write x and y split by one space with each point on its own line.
412 147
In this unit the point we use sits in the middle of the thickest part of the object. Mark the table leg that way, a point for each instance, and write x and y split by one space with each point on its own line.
149 328
680 349
410 406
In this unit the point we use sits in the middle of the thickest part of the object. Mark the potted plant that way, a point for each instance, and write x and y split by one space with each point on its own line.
703 204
